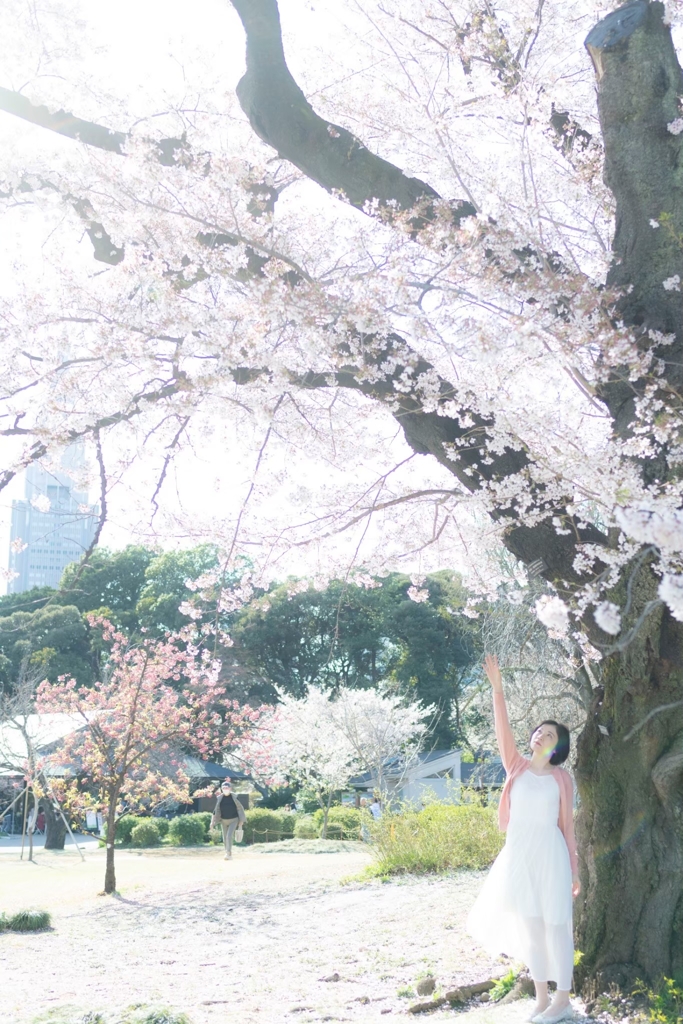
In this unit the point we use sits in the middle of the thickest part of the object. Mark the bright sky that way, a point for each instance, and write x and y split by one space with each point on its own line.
139 53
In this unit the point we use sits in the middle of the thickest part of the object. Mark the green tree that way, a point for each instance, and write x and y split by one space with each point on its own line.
165 587
111 580
26 601
352 636
55 638
436 650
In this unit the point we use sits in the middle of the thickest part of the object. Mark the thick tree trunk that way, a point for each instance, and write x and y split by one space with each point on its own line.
55 829
630 822
630 778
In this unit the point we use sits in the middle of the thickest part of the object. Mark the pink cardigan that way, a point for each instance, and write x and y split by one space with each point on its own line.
515 764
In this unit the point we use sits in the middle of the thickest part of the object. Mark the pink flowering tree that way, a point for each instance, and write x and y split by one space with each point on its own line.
136 721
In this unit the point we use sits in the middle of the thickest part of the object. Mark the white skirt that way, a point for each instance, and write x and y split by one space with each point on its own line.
524 908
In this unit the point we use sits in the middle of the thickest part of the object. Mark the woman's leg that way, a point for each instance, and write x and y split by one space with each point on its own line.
537 962
561 950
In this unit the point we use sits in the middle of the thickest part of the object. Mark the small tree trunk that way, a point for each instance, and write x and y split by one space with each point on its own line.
110 873
326 811
55 829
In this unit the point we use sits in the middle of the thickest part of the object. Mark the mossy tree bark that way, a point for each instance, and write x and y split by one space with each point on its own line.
630 825
630 757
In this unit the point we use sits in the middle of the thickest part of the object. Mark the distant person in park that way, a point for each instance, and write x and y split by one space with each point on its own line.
229 813
376 808
524 908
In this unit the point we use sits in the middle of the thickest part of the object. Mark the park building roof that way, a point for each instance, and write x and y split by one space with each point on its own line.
44 734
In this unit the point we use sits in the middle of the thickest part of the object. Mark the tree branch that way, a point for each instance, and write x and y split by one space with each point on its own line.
283 118
63 123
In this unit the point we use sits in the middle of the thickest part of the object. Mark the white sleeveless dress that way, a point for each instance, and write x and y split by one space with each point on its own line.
524 908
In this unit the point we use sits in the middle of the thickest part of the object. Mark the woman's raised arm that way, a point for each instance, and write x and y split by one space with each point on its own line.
506 742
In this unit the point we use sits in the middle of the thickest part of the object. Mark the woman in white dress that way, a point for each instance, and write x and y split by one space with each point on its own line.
524 908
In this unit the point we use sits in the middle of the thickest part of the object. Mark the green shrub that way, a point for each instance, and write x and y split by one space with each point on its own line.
665 1002
186 830
163 826
28 921
215 836
146 833
262 826
124 826
305 827
287 823
440 837
343 822
205 817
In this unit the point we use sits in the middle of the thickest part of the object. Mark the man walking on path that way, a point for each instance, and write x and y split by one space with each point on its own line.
230 813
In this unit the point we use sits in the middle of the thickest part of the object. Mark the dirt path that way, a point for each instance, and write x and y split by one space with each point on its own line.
248 940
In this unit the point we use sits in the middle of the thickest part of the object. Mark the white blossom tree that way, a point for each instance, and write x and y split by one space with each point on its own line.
412 309
305 745
380 728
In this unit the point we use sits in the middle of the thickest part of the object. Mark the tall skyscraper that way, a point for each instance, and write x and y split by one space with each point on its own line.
51 527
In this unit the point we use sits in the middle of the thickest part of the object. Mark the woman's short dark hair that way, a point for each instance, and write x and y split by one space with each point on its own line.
561 751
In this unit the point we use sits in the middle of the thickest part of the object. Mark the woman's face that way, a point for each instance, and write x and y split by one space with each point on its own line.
225 789
544 740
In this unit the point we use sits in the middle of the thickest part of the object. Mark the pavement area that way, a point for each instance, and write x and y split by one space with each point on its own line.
10 844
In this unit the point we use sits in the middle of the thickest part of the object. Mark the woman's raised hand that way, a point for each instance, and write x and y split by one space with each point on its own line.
493 673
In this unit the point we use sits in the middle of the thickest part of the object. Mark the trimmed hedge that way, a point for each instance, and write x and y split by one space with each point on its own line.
263 826
343 822
186 830
305 827
146 833
162 825
125 825
288 822
205 817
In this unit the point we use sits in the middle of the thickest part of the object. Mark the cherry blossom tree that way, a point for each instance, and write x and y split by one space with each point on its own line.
135 725
300 741
380 727
436 251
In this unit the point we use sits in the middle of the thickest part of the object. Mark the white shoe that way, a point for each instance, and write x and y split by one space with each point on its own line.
534 1015
228 856
563 1014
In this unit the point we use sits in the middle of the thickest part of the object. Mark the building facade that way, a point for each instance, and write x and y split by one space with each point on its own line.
51 527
